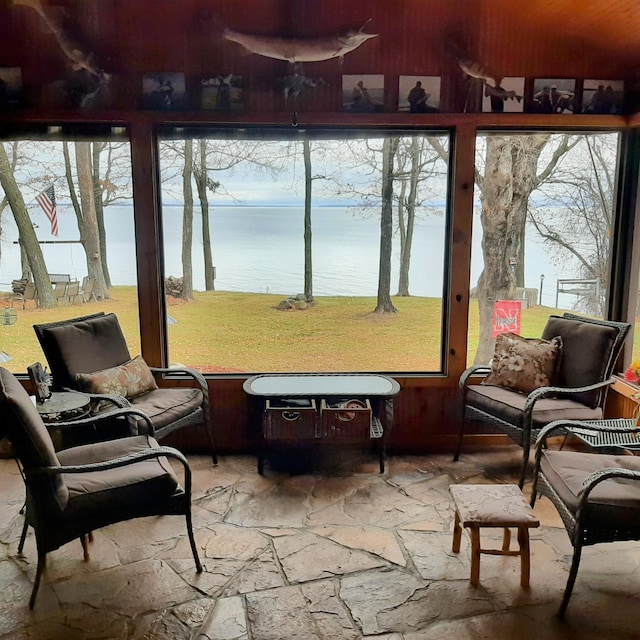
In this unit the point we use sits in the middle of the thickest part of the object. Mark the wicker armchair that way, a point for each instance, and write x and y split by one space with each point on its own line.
93 343
589 354
596 495
73 492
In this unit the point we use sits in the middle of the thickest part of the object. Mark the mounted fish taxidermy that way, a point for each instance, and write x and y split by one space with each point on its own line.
296 51
478 74
316 49
88 80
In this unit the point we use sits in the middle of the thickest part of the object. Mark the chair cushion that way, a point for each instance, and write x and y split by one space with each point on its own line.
616 500
508 406
524 364
124 488
165 406
90 343
130 379
586 353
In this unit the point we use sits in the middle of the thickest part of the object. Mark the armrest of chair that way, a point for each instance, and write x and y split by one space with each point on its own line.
123 461
595 478
105 417
194 375
545 392
477 369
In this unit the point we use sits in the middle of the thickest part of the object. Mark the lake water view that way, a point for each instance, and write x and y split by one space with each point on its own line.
261 249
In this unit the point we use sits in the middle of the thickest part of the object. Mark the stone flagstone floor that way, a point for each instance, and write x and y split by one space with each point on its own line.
342 553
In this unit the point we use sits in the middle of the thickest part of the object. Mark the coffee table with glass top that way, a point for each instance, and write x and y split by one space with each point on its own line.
373 390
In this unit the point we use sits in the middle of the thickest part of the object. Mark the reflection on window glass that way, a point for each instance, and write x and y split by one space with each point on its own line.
542 230
68 242
305 254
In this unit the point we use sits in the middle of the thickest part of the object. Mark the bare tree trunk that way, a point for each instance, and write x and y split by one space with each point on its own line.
89 234
405 248
28 240
509 178
384 304
187 222
201 184
97 195
308 264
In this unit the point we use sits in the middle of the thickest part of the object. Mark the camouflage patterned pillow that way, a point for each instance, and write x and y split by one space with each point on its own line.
524 364
130 379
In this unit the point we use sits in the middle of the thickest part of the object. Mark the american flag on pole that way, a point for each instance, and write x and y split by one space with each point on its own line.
47 200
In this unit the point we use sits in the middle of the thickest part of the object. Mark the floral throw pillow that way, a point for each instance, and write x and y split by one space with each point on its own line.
524 364
130 379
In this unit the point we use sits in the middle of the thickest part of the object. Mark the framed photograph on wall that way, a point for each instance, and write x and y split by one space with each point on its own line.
163 91
506 96
11 88
363 93
602 96
419 94
553 95
222 92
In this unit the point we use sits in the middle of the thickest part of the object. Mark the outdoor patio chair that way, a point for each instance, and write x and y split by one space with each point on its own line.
87 289
90 354
73 492
577 390
72 292
29 292
597 495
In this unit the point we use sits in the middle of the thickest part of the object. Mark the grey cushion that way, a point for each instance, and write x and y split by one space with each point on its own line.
586 353
616 500
509 405
126 487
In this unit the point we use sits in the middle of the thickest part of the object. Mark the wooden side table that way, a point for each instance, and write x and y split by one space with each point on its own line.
491 505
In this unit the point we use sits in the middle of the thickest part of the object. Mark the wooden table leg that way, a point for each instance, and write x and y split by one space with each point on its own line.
506 540
457 534
525 560
475 555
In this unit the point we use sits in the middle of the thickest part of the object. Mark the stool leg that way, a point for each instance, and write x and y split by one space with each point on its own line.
457 534
506 540
475 555
525 560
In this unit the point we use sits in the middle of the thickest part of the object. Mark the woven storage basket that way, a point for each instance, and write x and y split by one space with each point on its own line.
286 420
343 421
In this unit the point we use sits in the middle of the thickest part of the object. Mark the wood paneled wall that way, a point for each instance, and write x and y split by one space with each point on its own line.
129 38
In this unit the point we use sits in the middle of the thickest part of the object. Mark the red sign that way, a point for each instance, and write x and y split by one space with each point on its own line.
506 316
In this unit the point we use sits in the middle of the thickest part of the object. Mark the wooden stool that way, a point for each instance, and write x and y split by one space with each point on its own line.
493 505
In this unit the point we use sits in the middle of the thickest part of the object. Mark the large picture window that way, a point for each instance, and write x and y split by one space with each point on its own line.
67 236
324 251
542 230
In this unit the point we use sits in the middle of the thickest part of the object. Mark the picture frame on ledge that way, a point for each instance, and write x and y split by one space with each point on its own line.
222 92
164 91
419 94
603 96
553 95
363 93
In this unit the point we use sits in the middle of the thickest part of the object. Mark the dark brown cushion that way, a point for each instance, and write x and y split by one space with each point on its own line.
85 345
123 488
509 405
524 364
165 406
615 501
130 379
586 354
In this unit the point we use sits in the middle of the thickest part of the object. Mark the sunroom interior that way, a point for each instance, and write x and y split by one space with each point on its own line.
224 172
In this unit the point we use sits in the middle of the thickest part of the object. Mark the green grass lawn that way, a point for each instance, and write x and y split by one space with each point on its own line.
244 332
